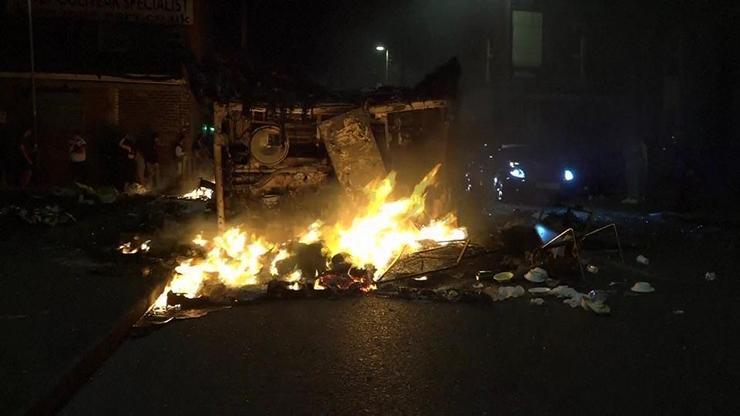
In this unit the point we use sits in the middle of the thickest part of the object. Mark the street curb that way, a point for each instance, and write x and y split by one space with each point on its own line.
55 399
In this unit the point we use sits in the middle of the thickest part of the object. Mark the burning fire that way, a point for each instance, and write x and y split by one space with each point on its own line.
384 228
201 193
132 247
373 238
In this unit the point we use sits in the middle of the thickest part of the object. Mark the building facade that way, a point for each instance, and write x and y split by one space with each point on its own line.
100 69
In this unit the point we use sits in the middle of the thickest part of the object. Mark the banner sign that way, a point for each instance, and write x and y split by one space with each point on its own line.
165 12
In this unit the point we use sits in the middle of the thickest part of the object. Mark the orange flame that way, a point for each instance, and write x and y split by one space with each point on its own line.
374 236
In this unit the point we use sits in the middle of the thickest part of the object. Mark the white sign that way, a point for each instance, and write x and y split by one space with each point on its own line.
166 12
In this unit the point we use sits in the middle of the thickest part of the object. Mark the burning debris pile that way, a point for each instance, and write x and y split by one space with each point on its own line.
135 246
200 193
347 255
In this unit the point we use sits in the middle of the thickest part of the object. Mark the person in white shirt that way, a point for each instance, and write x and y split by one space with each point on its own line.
181 157
78 157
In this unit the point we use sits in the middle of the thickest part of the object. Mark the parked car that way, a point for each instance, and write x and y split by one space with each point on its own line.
514 172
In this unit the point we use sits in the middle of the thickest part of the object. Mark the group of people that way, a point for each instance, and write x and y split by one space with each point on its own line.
141 159
135 161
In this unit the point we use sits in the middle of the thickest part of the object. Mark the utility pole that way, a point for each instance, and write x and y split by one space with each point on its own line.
243 24
218 174
33 73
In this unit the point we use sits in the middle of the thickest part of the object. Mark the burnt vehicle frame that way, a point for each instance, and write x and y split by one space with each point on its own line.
270 151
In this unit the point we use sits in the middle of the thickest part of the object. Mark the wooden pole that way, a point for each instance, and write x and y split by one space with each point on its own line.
218 174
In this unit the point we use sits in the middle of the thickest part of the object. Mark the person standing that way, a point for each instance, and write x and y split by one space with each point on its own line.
127 145
78 158
150 153
25 151
181 158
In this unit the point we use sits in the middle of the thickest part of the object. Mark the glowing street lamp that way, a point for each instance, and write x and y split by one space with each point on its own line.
381 48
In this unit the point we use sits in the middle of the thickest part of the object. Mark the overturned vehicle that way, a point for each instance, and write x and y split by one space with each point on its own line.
271 152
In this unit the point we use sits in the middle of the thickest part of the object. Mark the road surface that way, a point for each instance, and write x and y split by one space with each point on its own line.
388 356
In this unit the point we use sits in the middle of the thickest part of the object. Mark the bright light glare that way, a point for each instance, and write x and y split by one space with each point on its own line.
517 173
568 175
380 48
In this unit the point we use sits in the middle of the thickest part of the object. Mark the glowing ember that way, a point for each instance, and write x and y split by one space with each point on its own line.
133 247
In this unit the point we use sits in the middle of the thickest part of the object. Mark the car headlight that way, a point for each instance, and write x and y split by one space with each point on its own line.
568 175
518 173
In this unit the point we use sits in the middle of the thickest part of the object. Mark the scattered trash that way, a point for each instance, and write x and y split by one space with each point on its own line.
642 260
484 275
536 275
503 276
537 301
478 285
539 290
421 278
504 292
572 296
49 215
451 295
135 189
642 287
107 195
551 283
595 302
592 269
710 276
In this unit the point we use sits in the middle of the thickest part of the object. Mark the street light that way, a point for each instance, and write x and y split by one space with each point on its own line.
381 48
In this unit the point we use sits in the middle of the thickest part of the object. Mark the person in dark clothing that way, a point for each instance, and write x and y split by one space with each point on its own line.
128 146
25 151
150 151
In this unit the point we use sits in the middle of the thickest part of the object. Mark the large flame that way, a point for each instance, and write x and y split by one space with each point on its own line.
379 230
383 228
234 258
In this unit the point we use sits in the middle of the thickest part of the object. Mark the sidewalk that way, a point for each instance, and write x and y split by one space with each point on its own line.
66 297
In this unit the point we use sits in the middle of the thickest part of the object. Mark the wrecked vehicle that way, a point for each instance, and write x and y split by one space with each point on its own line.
271 152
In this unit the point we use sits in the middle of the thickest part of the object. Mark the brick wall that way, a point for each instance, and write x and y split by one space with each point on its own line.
106 111
163 109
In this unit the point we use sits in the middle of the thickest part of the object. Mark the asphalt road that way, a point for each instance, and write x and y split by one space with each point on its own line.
388 356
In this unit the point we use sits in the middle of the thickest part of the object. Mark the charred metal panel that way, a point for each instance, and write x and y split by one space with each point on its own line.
352 148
